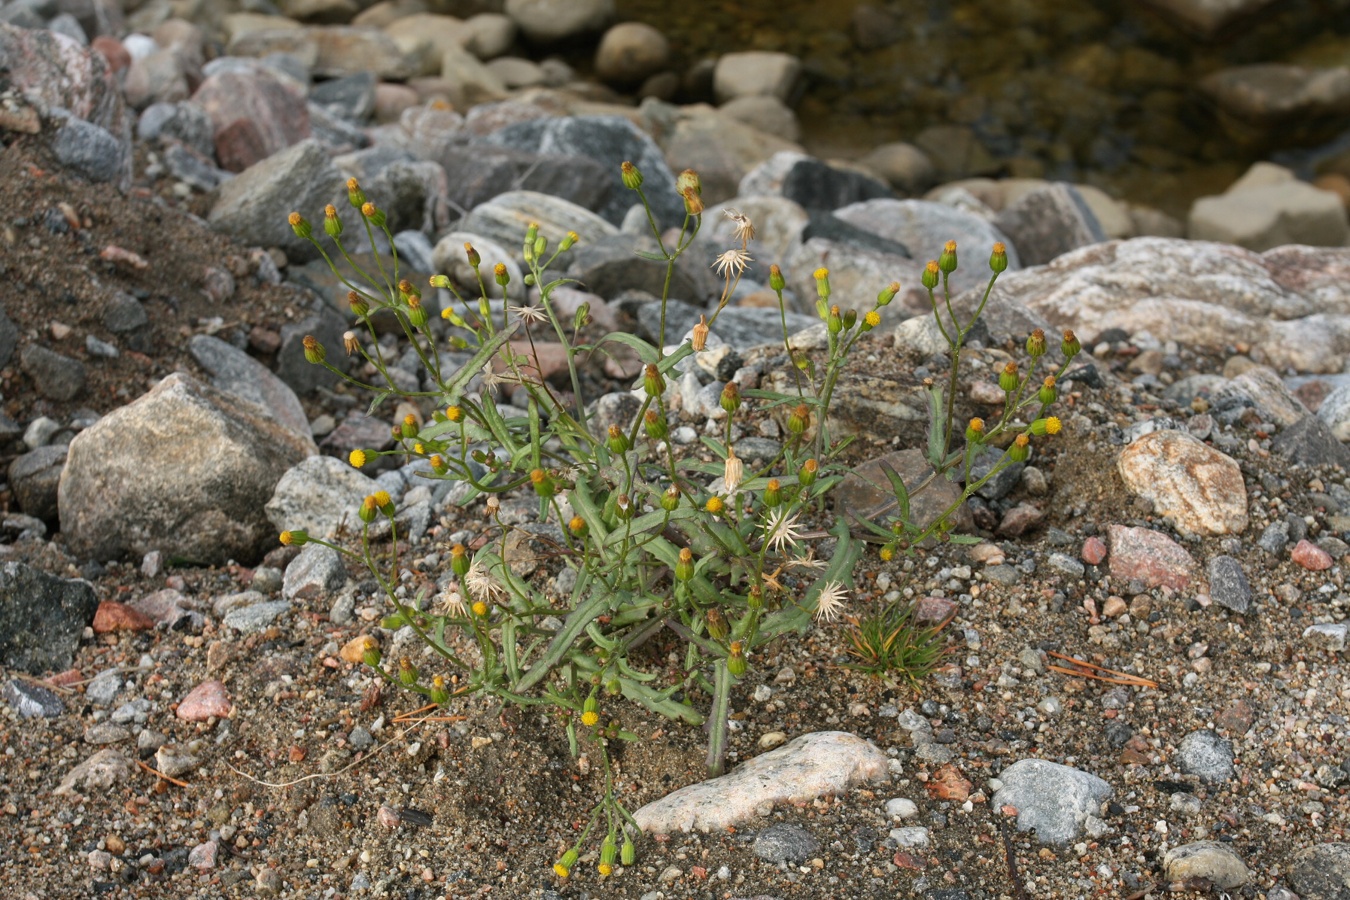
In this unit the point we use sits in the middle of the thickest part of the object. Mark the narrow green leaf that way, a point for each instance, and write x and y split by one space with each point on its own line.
898 489
935 426
454 386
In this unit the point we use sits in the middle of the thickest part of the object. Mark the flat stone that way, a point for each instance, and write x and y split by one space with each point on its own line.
866 488
207 700
1151 557
1228 585
317 570
41 618
785 843
1052 799
113 616
1198 487
31 700
1272 216
1210 860
826 762
1207 755
505 217
1322 872
257 616
1328 637
101 772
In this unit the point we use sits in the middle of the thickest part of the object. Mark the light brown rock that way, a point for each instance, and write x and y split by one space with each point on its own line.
1198 487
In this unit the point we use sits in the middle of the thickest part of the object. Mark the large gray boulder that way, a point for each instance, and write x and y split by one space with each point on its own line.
185 469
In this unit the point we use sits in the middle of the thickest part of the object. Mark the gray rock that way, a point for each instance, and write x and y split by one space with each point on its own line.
554 21
123 313
1228 585
185 469
1274 538
31 700
1047 222
1207 755
914 837
1271 215
825 762
254 205
1210 860
266 579
257 616
235 372
1054 800
41 618
1322 872
1001 484
298 373
609 140
319 495
104 687
106 733
54 376
101 772
505 217
1310 442
186 122
817 185
9 338
740 327
1330 637
785 843
175 760
1335 412
89 149
34 477
351 97
317 570
866 489
857 273
476 173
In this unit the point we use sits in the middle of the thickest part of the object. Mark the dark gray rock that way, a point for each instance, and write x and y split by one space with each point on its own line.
608 267
41 618
1228 585
785 843
351 97
9 338
609 140
480 172
1311 443
740 326
34 478
33 700
191 167
256 617
1049 221
830 227
123 313
1207 755
184 121
89 149
56 377
1274 538
235 372
1322 872
998 486
293 368
817 185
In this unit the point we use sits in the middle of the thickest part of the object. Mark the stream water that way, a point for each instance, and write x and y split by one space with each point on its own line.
1098 91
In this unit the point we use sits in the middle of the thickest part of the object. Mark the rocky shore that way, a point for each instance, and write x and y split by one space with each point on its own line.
1146 689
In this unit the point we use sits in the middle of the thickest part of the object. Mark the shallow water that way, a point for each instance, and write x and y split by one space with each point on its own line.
1101 92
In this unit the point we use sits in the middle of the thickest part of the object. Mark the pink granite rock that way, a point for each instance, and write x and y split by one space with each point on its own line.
1150 557
206 700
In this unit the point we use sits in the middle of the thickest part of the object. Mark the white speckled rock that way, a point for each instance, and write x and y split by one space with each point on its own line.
826 762
1053 799
1198 487
505 217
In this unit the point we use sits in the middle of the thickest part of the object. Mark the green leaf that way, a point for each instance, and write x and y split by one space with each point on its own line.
652 255
645 351
454 386
963 539
379 398
898 488
394 622
935 427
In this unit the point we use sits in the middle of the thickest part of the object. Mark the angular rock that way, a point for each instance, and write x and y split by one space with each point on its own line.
34 477
255 113
113 616
1310 442
505 217
1271 215
55 376
1322 872
467 79
254 205
235 372
609 140
1149 557
1210 860
317 570
866 489
319 495
1228 585
256 617
826 762
1052 799
756 72
41 618
185 469
1332 637
857 274
1269 397
88 149
1047 222
207 700
785 843
101 772
1198 487
1206 754
31 700
326 326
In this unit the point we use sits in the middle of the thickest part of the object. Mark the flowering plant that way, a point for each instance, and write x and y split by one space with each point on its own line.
652 538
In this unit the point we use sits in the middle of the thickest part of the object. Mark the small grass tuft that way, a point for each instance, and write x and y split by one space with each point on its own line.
892 642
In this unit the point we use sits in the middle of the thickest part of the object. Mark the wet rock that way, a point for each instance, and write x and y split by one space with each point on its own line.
31 700
1150 557
235 372
1257 102
785 843
1228 585
1047 222
318 495
54 376
1052 799
103 771
756 72
1198 487
254 205
41 618
317 570
207 700
1322 872
1207 755
1210 860
185 469
34 477
826 762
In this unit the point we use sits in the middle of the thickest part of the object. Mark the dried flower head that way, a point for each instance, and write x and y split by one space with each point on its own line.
744 229
481 583
733 473
731 263
528 313
780 529
452 601
830 602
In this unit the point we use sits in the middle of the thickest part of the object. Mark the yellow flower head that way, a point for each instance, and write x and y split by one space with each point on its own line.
714 505
295 219
590 719
381 498
1053 425
454 413
480 609
873 318
357 458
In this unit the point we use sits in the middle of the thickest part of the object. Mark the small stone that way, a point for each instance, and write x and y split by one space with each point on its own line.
317 570
901 808
1114 607
32 700
1207 755
1322 872
1093 552
1310 556
354 650
207 700
175 760
1198 487
1228 585
104 770
914 837
1053 800
785 843
1236 718
203 856
256 616
113 616
1151 557
1209 860
772 739
1329 637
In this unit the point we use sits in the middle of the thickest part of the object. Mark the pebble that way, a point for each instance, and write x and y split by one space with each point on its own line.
1206 754
1228 585
1322 872
1310 556
1056 801
316 571
1332 637
175 760
784 843
1093 551
1063 562
914 837
258 616
31 700
1150 557
113 616
1210 860
208 699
